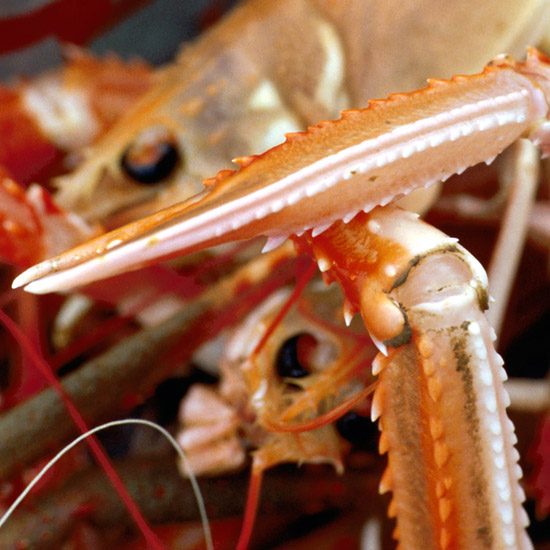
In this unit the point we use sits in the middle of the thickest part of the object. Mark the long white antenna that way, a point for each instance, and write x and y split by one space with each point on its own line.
196 490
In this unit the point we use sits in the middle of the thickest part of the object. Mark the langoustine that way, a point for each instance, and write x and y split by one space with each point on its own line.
275 67
275 372
42 123
391 148
466 133
289 381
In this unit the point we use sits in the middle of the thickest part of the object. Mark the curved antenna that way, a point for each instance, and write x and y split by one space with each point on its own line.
195 486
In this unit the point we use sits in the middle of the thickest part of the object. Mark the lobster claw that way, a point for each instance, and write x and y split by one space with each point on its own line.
367 158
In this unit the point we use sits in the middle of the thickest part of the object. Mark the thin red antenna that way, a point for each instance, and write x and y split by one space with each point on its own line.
256 476
251 508
298 289
97 450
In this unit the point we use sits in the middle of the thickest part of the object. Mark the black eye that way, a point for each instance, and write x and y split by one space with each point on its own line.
151 158
293 357
358 430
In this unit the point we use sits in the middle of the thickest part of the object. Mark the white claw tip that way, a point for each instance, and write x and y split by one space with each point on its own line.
19 281
273 242
376 409
377 366
30 275
348 317
380 345
320 229
40 286
324 264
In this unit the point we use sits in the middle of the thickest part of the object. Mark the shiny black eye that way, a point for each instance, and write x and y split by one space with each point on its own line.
151 158
293 357
359 430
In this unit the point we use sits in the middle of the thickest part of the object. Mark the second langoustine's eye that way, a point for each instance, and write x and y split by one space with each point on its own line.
293 359
359 430
151 157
